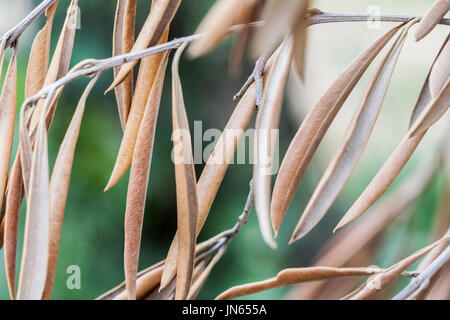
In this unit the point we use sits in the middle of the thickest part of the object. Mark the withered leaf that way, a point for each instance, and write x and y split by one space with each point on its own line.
346 158
186 185
432 17
139 176
314 127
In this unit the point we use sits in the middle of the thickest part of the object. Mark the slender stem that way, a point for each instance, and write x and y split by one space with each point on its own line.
424 277
13 34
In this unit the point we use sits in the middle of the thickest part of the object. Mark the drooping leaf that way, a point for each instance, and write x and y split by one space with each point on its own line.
314 127
299 32
139 176
432 17
186 185
59 187
146 77
266 132
161 14
346 158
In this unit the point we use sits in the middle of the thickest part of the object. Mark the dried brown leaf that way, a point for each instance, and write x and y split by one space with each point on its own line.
346 158
314 127
59 187
222 15
159 18
265 140
139 176
432 17
300 37
146 77
186 185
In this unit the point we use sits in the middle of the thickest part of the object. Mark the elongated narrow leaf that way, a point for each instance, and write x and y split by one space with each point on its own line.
186 185
39 55
432 17
439 68
139 176
280 16
215 25
292 276
392 167
314 127
381 280
36 241
344 161
123 40
14 198
59 187
161 14
299 31
7 122
147 74
2 56
266 132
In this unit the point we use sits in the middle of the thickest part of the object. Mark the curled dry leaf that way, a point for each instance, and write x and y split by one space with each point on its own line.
159 18
36 240
381 280
7 121
314 127
146 77
398 159
139 175
39 55
123 40
346 158
59 187
292 276
432 17
265 136
215 25
280 16
186 184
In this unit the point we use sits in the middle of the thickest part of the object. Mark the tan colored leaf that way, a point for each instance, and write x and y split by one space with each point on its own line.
146 77
314 127
266 132
346 158
161 14
280 16
59 187
14 198
432 17
139 176
292 276
7 121
123 40
186 185
36 240
381 280
222 15
398 159
39 55
300 37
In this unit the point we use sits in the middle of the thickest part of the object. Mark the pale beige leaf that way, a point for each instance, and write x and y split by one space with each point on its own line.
159 18
266 133
346 158
139 176
59 187
300 37
292 276
146 77
39 55
36 240
186 185
222 15
314 127
432 17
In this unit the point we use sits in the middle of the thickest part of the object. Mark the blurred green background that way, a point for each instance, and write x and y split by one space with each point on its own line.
92 236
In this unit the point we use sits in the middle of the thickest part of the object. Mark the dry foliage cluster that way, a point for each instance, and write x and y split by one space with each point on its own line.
275 33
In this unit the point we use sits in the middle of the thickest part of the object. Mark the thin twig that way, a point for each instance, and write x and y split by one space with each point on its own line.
424 277
13 34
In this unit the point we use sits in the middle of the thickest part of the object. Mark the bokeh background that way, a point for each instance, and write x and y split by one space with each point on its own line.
92 236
